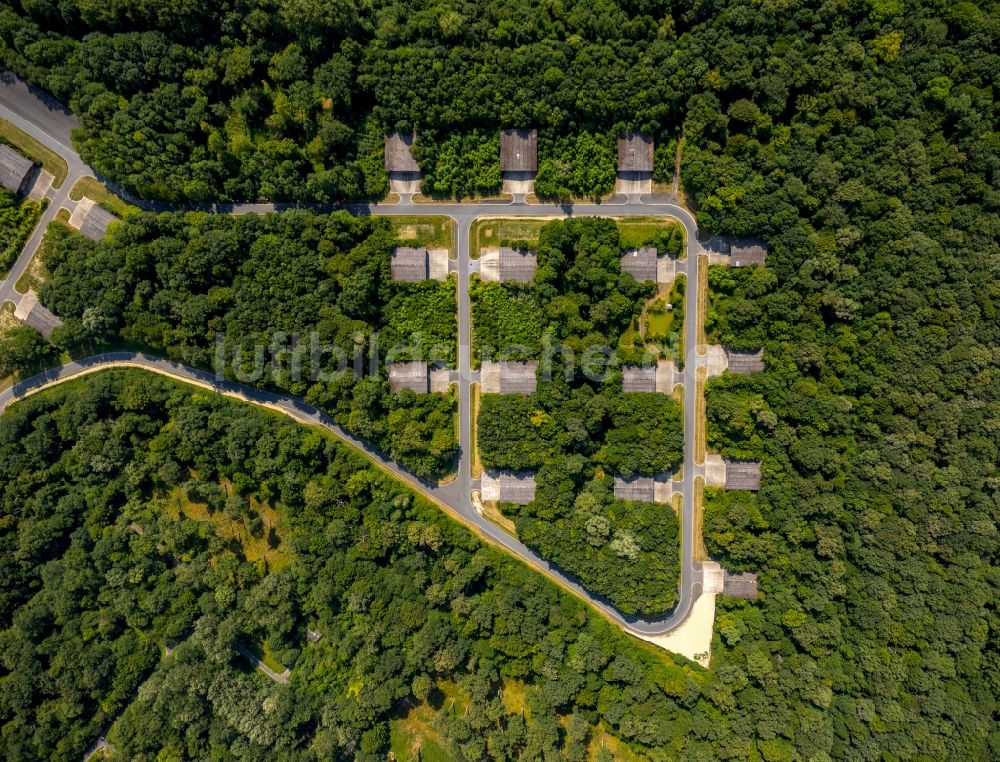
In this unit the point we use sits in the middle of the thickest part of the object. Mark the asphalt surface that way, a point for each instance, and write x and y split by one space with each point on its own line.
454 497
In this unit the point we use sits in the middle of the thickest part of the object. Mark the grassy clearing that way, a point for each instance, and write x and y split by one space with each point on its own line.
37 273
7 321
620 751
702 303
512 695
263 653
27 145
414 737
94 189
701 420
663 328
639 231
269 548
495 231
698 552
432 232
477 464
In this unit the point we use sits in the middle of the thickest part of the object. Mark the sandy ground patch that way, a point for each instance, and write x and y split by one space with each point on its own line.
693 638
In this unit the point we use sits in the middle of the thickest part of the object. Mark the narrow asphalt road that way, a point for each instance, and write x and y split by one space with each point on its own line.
454 497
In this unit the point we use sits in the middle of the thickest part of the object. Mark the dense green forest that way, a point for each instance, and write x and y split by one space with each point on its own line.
579 428
101 570
859 139
289 100
296 298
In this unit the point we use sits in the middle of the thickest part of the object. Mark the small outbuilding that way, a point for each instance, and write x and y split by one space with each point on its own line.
409 263
96 221
743 475
508 486
519 150
15 170
398 153
640 489
640 263
313 636
635 153
741 585
414 376
517 265
744 362
509 377
639 378
747 255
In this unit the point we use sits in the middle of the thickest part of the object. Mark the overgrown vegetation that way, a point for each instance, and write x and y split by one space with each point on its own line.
18 218
293 301
579 428
417 617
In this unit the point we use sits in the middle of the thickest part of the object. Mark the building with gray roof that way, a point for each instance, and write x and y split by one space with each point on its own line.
414 376
740 585
508 486
744 362
518 150
409 263
398 153
640 489
509 377
747 255
635 153
638 378
743 475
640 263
517 265
15 170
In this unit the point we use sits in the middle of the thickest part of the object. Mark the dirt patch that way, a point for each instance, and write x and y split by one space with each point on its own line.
702 303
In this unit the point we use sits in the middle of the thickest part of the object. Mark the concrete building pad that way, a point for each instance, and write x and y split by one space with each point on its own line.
440 380
715 471
666 270
717 361
83 207
667 376
39 189
437 264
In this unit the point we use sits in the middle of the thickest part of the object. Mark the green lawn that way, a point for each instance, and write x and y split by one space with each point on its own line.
641 231
497 231
28 146
433 232
94 189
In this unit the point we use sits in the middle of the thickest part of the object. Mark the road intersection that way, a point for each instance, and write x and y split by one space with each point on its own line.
455 497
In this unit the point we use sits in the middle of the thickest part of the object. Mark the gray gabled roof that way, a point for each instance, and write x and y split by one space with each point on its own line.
518 377
638 378
635 153
745 256
640 263
398 156
409 375
95 223
743 585
14 169
518 150
745 362
637 488
512 487
517 265
409 263
741 474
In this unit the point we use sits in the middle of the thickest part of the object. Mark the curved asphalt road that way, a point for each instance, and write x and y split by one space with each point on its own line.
17 107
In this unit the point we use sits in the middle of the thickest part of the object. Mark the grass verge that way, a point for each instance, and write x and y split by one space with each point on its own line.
27 145
432 232
477 464
94 189
495 231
